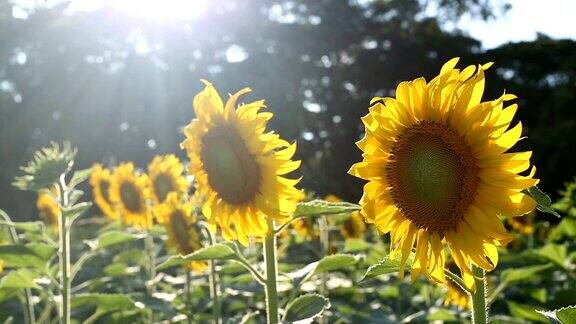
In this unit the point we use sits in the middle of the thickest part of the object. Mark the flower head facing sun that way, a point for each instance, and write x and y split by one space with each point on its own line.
438 171
166 176
100 180
48 208
183 233
238 166
129 191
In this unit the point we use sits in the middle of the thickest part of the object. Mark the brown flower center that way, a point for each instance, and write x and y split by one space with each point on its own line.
433 175
186 237
232 171
131 197
104 189
163 185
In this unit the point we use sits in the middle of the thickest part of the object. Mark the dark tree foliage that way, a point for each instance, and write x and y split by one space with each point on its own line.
120 88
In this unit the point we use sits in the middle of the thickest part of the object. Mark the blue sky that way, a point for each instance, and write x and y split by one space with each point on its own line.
554 18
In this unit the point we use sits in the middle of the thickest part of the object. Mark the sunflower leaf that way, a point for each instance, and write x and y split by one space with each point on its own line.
544 203
335 262
563 315
79 177
518 274
317 208
18 279
213 252
20 256
111 238
76 210
384 266
104 302
306 307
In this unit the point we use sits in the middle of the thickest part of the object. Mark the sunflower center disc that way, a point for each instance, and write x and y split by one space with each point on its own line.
180 230
163 185
232 171
104 189
432 175
130 197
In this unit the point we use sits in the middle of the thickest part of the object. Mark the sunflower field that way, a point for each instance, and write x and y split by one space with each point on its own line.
433 198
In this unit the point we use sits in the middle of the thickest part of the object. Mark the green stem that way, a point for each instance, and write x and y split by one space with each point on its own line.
149 246
188 297
64 253
215 292
324 246
271 274
479 309
214 283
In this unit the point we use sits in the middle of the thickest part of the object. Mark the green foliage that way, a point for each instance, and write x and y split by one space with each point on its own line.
305 307
335 262
317 208
384 266
544 202
212 252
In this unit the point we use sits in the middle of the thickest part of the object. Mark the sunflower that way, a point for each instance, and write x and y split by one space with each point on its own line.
49 209
439 171
165 174
100 180
523 224
183 233
455 294
238 166
353 227
129 191
306 228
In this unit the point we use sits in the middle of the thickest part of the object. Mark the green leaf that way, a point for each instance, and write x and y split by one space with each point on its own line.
565 315
356 245
76 210
17 279
316 208
104 302
441 315
79 177
212 252
384 266
566 228
20 256
25 226
544 203
519 274
526 311
306 307
111 238
553 252
335 262
43 250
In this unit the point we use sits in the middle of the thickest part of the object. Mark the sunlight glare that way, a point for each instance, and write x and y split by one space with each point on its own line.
150 9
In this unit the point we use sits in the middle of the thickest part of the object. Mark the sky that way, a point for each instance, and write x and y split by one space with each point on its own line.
554 18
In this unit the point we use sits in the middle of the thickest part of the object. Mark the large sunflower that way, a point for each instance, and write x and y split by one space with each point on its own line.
238 166
129 192
48 209
166 176
100 180
183 234
439 172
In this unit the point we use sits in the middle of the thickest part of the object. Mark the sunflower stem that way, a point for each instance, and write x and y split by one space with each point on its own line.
149 247
324 246
64 253
271 274
479 308
188 297
215 292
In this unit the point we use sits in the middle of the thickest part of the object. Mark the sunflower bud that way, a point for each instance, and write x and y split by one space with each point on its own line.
45 169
